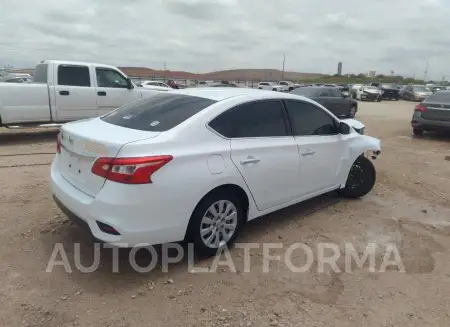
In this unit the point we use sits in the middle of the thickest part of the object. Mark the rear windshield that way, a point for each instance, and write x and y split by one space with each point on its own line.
439 97
305 91
157 113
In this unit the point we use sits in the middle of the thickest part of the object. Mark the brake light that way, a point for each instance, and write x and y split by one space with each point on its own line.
420 107
137 170
58 143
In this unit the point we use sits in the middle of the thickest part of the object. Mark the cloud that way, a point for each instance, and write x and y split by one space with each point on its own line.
205 35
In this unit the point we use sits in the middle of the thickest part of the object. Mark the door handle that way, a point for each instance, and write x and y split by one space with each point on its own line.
249 161
101 93
310 153
64 92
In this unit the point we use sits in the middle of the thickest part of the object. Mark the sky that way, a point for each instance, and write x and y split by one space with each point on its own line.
209 35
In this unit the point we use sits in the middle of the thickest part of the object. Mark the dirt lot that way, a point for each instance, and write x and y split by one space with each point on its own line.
409 207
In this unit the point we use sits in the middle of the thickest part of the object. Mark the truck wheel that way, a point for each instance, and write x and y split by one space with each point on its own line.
361 178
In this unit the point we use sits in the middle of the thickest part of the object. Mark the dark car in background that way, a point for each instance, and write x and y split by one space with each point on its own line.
331 98
432 114
390 91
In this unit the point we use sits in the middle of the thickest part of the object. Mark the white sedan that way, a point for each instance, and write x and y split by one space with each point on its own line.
155 85
197 164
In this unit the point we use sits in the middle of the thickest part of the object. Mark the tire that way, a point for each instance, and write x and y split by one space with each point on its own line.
417 131
361 178
259 88
352 112
291 89
274 89
379 99
204 211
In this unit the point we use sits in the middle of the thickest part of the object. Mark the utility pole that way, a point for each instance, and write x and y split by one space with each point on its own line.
426 72
165 69
284 60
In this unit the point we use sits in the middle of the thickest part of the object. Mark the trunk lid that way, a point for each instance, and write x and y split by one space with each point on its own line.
84 141
437 111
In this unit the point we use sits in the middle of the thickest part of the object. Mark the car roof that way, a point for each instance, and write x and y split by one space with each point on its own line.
219 94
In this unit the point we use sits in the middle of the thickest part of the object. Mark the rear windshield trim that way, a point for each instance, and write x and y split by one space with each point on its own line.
157 113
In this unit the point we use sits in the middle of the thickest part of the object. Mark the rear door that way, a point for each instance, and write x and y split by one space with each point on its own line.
74 93
263 151
112 90
321 148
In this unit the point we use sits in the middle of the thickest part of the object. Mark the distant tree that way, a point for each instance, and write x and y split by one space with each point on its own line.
361 75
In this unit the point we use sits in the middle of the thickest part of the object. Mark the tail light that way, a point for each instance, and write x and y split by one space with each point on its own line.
58 143
420 107
137 170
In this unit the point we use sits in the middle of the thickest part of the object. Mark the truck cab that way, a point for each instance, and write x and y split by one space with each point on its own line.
64 91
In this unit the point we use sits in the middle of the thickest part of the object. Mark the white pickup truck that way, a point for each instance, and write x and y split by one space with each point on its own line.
64 91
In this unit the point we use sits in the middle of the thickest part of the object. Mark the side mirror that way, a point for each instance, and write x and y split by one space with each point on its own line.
344 128
129 84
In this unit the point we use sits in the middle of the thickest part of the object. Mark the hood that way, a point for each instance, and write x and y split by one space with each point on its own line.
371 91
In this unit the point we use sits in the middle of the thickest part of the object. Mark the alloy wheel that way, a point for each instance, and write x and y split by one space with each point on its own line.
219 223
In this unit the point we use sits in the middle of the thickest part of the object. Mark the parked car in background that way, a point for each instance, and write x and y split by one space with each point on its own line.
155 85
287 86
415 93
331 98
433 113
245 164
224 85
270 86
353 90
368 93
389 91
63 91
18 80
437 88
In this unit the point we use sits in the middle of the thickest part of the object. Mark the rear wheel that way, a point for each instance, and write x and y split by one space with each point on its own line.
417 131
361 178
215 222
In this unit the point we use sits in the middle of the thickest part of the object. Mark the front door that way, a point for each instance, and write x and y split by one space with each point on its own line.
112 90
321 148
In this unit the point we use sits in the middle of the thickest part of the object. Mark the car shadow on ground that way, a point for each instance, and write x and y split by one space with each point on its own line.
434 136
116 271
16 136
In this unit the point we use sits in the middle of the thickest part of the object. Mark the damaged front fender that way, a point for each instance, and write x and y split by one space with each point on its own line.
362 145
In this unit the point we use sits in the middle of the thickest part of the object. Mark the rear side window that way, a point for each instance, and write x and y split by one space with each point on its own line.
40 74
157 113
257 119
74 75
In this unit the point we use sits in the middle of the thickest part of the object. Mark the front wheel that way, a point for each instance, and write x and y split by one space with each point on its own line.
361 178
274 89
379 99
215 222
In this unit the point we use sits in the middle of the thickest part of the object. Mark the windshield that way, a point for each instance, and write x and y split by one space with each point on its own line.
420 89
305 91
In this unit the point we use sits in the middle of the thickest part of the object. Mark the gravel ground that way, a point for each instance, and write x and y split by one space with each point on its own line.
409 207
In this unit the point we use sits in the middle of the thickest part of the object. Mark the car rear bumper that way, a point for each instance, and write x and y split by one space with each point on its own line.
139 218
427 124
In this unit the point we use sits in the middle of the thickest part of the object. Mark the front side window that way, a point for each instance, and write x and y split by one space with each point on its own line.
74 75
110 78
308 119
256 119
